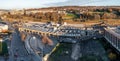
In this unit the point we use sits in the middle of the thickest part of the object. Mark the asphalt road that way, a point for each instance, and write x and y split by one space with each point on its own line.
17 48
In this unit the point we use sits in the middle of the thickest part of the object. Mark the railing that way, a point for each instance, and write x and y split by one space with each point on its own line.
113 38
54 33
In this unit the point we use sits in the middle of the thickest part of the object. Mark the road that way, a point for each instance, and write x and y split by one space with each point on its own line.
17 48
32 45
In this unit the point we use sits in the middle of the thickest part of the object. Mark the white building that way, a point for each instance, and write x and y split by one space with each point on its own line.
3 27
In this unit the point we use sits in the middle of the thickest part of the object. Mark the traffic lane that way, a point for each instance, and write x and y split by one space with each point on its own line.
33 55
17 46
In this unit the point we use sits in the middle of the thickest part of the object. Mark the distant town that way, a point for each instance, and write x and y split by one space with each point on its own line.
70 14
66 33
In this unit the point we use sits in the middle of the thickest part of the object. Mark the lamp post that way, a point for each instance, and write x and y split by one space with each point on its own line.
1 44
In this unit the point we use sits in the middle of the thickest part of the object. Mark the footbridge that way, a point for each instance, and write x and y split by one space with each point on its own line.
58 32
112 35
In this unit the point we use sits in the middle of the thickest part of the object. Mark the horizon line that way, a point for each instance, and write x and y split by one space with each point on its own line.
61 6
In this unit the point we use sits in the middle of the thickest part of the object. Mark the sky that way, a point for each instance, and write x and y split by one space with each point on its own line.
20 4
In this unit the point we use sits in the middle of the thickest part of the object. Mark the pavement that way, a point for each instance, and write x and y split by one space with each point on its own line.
76 51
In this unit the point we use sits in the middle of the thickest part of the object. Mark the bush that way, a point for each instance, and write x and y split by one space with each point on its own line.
3 48
112 56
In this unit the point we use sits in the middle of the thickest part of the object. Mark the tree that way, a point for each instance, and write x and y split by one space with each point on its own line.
60 20
112 56
97 16
105 16
110 10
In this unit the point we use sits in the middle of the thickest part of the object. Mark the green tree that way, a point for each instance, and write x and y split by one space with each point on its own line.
112 56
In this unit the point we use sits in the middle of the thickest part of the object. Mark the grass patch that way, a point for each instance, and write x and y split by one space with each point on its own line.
60 52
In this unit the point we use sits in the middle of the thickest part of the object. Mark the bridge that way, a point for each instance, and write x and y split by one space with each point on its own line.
64 31
112 35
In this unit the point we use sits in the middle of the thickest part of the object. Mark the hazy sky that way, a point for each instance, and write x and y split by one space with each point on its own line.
12 4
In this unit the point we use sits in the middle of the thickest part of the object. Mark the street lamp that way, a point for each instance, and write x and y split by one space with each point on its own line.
1 43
